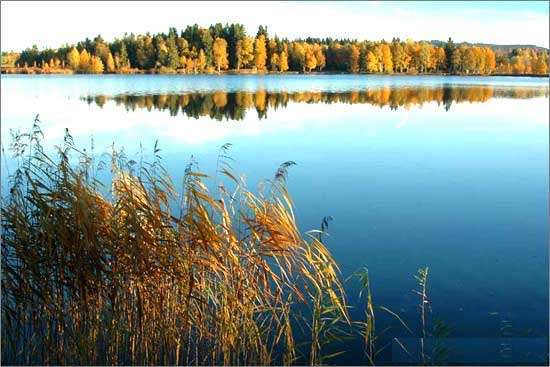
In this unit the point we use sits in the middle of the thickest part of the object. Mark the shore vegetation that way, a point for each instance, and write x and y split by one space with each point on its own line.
230 48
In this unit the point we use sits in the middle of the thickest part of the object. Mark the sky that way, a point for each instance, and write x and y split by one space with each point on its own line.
52 24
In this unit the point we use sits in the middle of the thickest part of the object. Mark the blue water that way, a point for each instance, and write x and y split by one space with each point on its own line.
462 190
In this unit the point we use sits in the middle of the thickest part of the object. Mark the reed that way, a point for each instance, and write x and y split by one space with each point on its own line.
138 272
368 329
93 274
436 331
422 279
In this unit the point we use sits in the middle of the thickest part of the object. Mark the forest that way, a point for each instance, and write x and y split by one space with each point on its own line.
222 48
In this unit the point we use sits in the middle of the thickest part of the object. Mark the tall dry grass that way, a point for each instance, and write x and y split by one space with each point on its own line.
122 277
140 272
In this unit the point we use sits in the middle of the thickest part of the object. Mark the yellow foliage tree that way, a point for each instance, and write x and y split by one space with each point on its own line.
378 53
73 59
274 61
401 59
354 58
310 61
110 63
479 55
283 61
183 61
424 55
190 65
84 64
245 52
439 58
469 61
96 65
518 65
387 62
200 63
490 61
372 62
319 56
540 65
219 51
272 50
298 55
260 53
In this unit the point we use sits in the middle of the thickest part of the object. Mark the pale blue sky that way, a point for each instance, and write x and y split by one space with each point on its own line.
54 23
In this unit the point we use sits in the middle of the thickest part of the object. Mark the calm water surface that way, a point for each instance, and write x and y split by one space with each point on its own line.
450 173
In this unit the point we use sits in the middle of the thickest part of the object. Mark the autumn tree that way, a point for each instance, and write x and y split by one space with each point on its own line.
101 49
310 61
540 64
190 65
96 65
354 58
73 59
84 63
274 61
400 58
479 55
183 61
283 61
298 56
245 52
425 60
110 65
319 56
387 61
456 60
372 62
490 60
379 56
440 59
518 65
260 53
219 52
272 55
201 61
469 61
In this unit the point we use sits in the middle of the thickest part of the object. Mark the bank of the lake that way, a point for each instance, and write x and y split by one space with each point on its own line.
38 70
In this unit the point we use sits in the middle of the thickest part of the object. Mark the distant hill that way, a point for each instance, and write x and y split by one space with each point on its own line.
499 48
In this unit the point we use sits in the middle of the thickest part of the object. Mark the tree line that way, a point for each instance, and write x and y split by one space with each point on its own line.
228 47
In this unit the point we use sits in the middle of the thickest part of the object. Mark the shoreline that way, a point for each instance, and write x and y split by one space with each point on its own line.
40 71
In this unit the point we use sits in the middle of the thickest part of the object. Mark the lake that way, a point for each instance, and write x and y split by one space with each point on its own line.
445 172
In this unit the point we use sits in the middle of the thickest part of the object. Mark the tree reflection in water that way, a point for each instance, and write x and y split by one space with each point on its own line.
222 105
